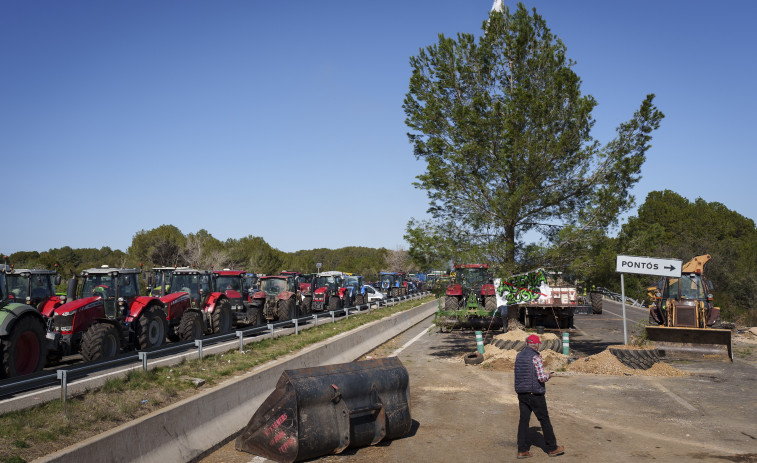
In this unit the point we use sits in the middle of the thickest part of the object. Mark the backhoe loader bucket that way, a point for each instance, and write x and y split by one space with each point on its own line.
323 410
690 342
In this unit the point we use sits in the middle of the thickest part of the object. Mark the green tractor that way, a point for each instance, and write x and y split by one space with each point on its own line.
23 347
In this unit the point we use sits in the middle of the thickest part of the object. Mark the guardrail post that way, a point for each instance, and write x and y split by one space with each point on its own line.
198 344
332 316
270 327
346 313
296 326
63 377
315 316
240 335
143 358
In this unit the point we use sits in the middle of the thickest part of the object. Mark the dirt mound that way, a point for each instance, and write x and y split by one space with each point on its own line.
504 360
604 363
520 335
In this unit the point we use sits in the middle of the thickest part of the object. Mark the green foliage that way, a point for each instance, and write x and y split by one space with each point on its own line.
162 245
505 133
669 225
166 246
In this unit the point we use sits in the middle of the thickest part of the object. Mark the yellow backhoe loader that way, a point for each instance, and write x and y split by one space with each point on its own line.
683 317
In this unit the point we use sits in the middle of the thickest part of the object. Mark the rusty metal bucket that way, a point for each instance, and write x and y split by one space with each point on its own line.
679 342
324 410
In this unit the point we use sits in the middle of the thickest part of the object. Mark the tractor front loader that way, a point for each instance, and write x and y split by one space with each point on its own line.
682 316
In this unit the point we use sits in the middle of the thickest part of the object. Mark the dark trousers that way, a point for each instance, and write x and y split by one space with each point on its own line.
536 403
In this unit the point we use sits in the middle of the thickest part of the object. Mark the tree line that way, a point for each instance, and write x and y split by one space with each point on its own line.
167 246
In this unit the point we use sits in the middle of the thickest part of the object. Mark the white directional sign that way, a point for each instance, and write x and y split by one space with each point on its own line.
649 266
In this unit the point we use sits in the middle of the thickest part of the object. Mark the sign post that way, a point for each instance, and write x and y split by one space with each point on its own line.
644 266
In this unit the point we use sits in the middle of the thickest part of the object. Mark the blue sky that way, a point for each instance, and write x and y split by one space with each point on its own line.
284 119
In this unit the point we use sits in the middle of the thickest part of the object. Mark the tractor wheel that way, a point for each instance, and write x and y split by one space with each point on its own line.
307 306
222 317
191 326
285 310
24 351
596 303
100 341
254 315
334 303
490 303
474 359
360 299
450 303
151 330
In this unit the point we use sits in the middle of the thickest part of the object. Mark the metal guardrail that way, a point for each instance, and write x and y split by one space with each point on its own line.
63 376
617 297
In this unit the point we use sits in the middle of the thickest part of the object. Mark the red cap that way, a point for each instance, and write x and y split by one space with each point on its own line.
533 339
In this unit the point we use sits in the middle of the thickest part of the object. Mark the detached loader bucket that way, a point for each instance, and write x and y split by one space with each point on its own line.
691 342
323 410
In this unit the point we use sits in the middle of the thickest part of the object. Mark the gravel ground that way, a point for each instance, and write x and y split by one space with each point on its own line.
469 413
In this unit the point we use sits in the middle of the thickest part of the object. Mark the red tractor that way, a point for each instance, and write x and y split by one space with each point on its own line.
106 313
238 286
304 282
203 309
278 298
473 288
34 287
328 292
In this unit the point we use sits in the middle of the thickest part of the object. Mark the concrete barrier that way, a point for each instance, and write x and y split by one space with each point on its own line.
188 428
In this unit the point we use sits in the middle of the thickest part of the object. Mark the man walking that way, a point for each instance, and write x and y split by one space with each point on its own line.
529 384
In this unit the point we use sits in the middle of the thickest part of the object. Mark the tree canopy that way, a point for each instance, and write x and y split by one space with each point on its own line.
505 132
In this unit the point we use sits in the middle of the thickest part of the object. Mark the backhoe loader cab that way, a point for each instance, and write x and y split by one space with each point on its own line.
682 310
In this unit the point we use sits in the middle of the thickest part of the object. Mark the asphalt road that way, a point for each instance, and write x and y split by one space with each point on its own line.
469 413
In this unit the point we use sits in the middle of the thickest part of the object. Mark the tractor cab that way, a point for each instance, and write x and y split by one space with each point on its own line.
331 282
196 283
116 287
274 284
470 277
159 281
34 287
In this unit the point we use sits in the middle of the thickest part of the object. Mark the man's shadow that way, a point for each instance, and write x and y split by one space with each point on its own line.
536 438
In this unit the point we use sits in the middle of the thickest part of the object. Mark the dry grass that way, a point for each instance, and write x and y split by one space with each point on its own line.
41 430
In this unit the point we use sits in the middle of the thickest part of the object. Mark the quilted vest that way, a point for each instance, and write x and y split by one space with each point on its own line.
525 373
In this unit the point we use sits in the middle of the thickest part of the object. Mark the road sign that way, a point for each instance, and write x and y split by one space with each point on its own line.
649 266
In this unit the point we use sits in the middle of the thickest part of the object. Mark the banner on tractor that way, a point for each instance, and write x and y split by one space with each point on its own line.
523 288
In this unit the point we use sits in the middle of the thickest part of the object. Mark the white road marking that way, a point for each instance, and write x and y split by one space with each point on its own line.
407 344
674 396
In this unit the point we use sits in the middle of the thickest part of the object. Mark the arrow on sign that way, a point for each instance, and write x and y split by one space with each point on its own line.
671 268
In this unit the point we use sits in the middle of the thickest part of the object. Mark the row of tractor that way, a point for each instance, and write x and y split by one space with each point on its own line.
104 311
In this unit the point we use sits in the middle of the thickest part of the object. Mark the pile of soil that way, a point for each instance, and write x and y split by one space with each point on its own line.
504 360
520 335
604 363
